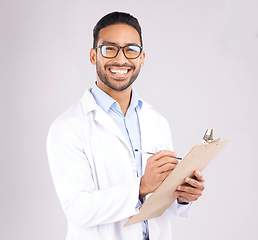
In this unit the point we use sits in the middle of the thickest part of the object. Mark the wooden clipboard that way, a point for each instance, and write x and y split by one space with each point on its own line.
197 159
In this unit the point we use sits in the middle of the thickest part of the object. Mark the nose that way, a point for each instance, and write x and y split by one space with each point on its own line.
120 58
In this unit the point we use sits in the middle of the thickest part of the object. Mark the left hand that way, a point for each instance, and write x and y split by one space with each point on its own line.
192 190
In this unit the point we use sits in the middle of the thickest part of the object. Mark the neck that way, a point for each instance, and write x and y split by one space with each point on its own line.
123 98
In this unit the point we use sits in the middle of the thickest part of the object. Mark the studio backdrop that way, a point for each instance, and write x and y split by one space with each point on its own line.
200 72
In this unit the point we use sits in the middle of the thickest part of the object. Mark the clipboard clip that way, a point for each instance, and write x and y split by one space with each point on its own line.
208 137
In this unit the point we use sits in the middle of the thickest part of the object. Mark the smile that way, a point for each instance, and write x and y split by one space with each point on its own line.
119 72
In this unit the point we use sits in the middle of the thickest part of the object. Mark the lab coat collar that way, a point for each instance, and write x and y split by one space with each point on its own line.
101 98
106 102
89 104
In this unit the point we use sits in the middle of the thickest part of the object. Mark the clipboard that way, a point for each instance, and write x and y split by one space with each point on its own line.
197 159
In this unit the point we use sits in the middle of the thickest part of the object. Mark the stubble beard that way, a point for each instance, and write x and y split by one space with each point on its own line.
104 78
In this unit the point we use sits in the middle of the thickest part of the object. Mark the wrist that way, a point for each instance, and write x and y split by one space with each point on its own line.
143 190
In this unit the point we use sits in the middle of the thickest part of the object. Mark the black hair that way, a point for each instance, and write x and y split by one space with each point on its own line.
115 18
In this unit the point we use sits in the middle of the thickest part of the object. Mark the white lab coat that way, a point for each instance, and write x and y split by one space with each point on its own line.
95 176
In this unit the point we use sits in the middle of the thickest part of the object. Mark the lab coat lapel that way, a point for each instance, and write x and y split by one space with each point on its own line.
108 123
146 131
89 106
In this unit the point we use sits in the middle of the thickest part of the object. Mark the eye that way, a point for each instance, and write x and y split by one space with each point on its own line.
110 48
133 49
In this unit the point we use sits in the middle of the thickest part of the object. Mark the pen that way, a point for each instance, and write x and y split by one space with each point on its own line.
137 150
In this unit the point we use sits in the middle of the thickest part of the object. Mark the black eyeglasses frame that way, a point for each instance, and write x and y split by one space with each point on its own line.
100 46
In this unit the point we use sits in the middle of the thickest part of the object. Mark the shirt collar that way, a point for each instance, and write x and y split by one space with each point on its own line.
135 100
102 99
106 102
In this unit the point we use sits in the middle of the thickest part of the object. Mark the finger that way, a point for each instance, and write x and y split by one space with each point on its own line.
189 190
161 165
164 175
190 197
195 183
198 175
183 200
164 153
166 160
166 167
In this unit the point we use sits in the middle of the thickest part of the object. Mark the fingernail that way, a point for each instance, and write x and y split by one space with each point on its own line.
187 179
179 188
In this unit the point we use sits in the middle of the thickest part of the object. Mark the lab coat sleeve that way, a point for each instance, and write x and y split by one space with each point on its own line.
183 210
83 204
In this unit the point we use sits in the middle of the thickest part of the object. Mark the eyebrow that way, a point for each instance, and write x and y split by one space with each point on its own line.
114 43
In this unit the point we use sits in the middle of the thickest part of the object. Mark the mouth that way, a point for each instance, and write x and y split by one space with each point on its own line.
119 72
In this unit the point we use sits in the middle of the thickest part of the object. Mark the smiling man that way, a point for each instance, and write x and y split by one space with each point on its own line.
117 67
100 178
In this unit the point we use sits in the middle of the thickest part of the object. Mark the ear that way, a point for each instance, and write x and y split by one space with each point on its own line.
93 56
142 58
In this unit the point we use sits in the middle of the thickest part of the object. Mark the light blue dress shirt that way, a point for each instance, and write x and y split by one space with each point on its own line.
128 124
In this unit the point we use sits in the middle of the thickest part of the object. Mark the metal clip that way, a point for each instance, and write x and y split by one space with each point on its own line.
208 137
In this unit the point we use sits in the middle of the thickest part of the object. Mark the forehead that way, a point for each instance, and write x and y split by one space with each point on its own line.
121 34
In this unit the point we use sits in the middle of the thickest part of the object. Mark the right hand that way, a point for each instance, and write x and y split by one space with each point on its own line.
158 167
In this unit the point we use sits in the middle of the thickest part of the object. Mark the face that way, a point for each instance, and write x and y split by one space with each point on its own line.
117 73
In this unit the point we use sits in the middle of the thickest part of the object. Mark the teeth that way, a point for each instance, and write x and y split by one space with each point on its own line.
118 71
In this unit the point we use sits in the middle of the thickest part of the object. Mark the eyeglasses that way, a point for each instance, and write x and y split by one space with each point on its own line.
111 51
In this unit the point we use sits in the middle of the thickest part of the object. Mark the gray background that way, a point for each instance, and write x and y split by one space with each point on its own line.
200 72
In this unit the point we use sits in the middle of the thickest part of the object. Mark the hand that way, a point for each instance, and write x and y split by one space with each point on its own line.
158 167
192 189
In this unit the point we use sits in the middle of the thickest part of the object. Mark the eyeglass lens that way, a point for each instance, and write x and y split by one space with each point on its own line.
129 51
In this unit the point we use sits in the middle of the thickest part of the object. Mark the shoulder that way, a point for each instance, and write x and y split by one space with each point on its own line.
77 115
152 113
65 125
73 112
155 129
154 121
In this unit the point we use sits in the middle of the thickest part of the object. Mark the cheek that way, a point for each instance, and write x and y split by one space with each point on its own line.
138 62
139 65
142 63
101 62
142 58
98 60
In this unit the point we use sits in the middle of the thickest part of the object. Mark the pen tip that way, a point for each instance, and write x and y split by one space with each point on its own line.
136 150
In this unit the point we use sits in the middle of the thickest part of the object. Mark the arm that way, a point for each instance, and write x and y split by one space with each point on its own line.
83 203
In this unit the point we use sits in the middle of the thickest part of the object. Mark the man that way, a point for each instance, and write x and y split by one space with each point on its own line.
96 148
